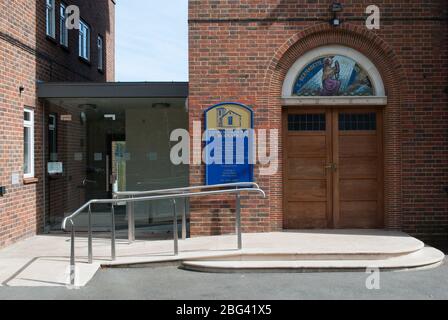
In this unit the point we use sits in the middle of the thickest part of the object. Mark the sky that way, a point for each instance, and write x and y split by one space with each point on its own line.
151 40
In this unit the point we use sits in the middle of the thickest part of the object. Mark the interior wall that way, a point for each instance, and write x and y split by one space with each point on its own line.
148 165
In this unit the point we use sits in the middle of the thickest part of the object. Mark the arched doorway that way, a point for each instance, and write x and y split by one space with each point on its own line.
333 101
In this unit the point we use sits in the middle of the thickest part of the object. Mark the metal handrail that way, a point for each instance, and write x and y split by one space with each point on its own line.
226 185
173 197
130 208
140 193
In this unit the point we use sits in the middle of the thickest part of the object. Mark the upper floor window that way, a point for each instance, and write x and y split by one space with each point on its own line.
100 53
50 18
84 40
62 25
28 143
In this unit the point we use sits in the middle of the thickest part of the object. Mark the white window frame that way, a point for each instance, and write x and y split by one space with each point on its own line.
63 37
100 48
50 18
84 40
29 124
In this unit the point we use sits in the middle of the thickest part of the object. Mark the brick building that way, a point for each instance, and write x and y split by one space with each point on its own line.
361 116
375 152
34 47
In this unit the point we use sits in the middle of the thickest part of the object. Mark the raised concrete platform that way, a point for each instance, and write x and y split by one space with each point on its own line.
423 258
44 260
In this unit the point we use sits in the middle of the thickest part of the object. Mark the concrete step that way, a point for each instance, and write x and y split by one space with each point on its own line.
425 257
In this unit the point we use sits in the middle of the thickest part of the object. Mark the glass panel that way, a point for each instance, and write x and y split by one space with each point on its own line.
63 27
52 138
106 145
26 150
84 40
357 121
306 122
50 21
100 53
333 76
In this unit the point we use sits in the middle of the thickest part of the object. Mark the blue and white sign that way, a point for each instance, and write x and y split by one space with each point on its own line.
228 144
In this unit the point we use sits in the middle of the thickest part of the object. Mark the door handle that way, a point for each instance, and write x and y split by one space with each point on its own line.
332 166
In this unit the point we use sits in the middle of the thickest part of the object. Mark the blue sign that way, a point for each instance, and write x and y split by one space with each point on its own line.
228 145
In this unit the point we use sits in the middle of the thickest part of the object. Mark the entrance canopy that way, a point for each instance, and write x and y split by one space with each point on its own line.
106 137
113 90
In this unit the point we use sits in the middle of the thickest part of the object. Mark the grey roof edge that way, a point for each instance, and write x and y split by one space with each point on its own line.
112 89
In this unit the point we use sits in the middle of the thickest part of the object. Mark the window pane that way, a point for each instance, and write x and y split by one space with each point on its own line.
52 138
100 53
26 151
84 40
50 18
307 122
63 27
27 116
357 121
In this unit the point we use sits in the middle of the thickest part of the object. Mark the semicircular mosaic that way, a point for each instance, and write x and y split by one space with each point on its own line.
333 76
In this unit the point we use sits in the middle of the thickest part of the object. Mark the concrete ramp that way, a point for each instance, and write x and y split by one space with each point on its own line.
45 260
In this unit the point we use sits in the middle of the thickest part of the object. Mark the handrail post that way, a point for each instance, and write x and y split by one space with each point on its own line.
113 232
238 221
131 221
175 230
72 255
90 241
184 220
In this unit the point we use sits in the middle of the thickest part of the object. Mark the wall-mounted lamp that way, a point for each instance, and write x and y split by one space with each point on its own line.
21 89
335 8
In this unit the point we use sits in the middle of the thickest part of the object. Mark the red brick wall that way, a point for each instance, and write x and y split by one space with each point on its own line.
27 56
241 50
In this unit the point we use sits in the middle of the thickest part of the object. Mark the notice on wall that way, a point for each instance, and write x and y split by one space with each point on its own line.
66 117
228 125
15 179
54 167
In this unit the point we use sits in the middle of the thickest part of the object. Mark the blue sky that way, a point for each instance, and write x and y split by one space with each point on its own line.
152 40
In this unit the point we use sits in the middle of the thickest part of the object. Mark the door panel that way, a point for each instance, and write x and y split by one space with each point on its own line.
306 168
307 144
308 185
333 168
359 167
306 215
357 186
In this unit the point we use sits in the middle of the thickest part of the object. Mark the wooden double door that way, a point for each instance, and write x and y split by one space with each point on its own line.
333 170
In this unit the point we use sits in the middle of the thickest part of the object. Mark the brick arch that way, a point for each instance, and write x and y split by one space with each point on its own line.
389 66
